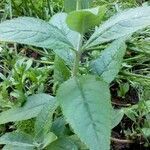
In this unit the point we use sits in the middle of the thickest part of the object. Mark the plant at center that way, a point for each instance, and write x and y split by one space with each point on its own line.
84 98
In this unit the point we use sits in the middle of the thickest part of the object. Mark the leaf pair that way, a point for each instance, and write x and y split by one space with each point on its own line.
38 33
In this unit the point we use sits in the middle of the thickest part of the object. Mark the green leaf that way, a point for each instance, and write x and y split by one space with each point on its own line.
30 110
109 63
132 112
17 139
49 138
117 115
85 102
71 5
61 72
146 132
122 24
59 126
83 20
12 147
35 32
44 122
62 144
78 142
59 20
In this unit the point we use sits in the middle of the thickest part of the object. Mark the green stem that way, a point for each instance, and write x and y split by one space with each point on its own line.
76 64
77 57
135 75
44 62
49 7
10 9
134 58
101 47
139 51
78 5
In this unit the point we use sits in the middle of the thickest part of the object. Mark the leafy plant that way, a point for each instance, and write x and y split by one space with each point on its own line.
84 99
20 77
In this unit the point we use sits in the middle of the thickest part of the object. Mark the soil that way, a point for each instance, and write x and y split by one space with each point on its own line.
119 139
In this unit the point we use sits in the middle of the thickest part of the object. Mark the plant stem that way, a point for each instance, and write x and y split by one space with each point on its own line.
135 75
78 4
77 57
101 47
139 51
121 141
44 62
76 64
10 9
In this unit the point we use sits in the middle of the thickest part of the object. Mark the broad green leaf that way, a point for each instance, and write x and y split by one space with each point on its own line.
61 71
62 144
109 63
78 142
30 110
12 147
83 20
67 55
85 102
71 5
17 139
32 31
59 20
146 132
122 24
44 122
117 115
58 126
49 138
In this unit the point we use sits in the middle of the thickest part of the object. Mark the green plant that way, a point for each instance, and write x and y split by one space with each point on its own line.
84 98
20 77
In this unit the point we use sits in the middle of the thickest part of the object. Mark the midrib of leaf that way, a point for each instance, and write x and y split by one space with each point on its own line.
86 105
34 33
